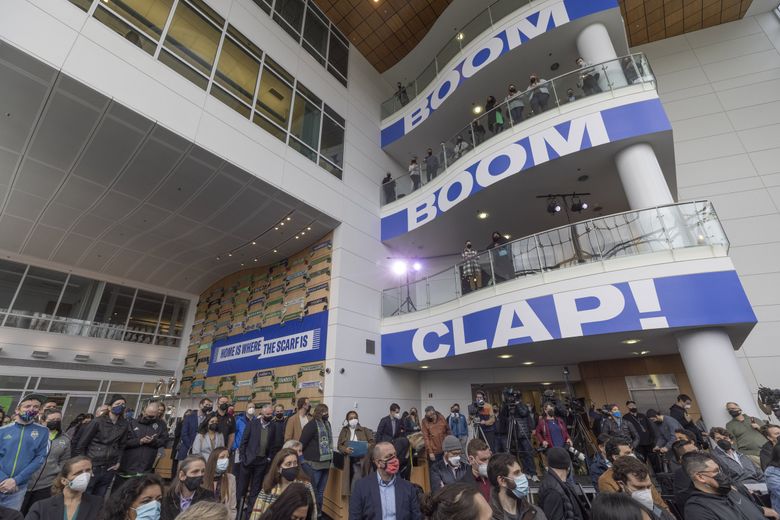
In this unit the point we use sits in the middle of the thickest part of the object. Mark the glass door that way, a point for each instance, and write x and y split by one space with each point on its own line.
76 404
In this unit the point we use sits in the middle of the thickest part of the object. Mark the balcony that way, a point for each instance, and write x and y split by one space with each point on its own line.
599 82
664 234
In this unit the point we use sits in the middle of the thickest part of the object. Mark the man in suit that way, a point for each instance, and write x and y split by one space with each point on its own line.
390 426
189 428
381 494
256 451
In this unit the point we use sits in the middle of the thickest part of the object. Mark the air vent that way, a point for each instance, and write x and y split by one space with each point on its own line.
150 364
40 354
81 358
118 361
275 93
370 346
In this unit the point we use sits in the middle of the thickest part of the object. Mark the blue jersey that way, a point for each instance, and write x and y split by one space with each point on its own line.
23 449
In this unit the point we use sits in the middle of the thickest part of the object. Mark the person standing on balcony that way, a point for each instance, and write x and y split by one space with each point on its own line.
503 268
495 117
401 94
414 174
588 80
471 270
388 185
461 147
515 104
431 166
540 94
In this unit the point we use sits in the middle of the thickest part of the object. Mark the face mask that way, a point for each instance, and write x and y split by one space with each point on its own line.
617 414
280 415
724 444
118 409
289 474
267 418
148 511
396 416
724 484
482 470
632 410
250 411
193 483
54 425
206 409
392 467
224 406
222 465
325 417
735 413
429 417
480 402
28 416
520 489
687 407
213 427
80 483
352 423
644 497
455 461
456 411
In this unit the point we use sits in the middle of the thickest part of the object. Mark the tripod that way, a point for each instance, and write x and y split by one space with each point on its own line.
519 444
407 305
581 436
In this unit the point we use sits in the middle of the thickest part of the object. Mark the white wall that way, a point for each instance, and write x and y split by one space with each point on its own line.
721 89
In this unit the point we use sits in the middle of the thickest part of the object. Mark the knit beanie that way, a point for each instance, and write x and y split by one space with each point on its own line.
558 458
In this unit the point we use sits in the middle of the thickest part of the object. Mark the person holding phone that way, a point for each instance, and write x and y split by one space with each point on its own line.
148 433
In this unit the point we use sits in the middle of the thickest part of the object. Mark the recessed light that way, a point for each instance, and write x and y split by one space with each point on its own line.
308 228
276 228
482 215
555 66
150 364
505 356
281 223
40 354
242 264
477 109
81 358
274 250
641 353
254 243
297 237
546 384
254 259
423 366
230 254
303 233
528 363
632 341
289 218
507 236
118 361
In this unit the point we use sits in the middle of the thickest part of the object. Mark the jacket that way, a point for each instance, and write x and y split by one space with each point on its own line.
683 487
558 499
480 483
384 432
266 500
643 428
104 440
366 503
745 471
54 508
278 425
458 425
249 449
624 429
434 433
749 440
241 422
189 430
607 484
525 510
10 514
203 445
542 432
139 458
293 428
597 467
231 499
681 414
361 434
23 450
431 163
765 455
772 475
59 452
311 444
443 474
171 504
666 429
734 506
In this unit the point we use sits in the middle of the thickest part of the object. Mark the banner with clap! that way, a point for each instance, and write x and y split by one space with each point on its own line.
294 342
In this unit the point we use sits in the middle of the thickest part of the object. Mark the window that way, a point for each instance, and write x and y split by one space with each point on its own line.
149 16
114 306
306 120
10 276
289 14
332 141
237 71
338 58
84 5
315 34
193 38
265 5
127 31
275 95
172 322
75 304
144 317
37 299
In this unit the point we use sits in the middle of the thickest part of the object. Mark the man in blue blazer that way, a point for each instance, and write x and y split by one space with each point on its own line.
382 493
390 427
189 427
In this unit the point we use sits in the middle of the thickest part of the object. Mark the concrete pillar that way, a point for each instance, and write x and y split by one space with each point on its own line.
642 178
595 47
714 373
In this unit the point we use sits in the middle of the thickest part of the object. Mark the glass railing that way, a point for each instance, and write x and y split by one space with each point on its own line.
482 22
591 80
653 230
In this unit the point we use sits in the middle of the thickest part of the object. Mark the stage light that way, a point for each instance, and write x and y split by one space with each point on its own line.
399 267
417 266
578 205
553 207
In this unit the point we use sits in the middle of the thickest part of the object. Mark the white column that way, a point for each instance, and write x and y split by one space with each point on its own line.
714 373
642 177
595 46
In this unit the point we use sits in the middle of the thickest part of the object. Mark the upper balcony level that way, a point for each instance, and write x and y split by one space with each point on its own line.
489 39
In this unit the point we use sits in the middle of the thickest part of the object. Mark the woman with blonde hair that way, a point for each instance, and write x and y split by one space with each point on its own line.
283 472
220 480
68 499
187 488
206 511
317 440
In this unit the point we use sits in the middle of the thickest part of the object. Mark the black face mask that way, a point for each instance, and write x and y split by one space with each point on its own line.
325 417
289 474
632 410
280 415
267 418
725 444
224 406
54 425
213 427
735 413
206 409
193 483
724 484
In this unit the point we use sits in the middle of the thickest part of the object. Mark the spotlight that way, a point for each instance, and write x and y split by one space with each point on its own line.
399 267
553 207
417 266
578 205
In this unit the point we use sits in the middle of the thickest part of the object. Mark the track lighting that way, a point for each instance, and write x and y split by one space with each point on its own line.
553 207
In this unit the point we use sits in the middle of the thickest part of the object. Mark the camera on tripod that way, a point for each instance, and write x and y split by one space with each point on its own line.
512 404
769 400
476 407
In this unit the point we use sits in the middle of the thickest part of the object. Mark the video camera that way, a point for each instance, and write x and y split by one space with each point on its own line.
512 404
475 407
769 400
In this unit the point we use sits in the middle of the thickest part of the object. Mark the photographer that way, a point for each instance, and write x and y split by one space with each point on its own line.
484 420
520 427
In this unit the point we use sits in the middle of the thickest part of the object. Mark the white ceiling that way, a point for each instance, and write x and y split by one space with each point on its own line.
88 183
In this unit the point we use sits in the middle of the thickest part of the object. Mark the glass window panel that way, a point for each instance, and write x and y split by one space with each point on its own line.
291 12
124 387
278 70
315 32
15 396
77 298
147 15
332 113
303 149
186 71
230 101
237 71
10 276
39 293
301 89
338 55
146 312
84 5
243 40
128 32
174 312
208 11
306 121
114 305
13 382
335 170
332 143
193 38
269 127
167 341
273 98
53 383
265 5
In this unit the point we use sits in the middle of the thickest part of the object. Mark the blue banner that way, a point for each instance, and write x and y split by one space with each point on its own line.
693 300
291 343
608 126
534 24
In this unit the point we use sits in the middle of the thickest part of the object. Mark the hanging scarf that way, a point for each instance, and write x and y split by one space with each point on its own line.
324 436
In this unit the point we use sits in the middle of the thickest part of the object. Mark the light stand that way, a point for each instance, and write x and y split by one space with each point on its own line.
407 305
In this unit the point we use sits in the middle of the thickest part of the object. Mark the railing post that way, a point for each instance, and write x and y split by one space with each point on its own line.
444 154
457 282
427 293
555 93
473 137
509 111
492 268
538 253
664 228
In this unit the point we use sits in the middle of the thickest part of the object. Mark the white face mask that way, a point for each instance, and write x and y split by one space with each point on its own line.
396 416
455 461
222 465
250 411
687 407
483 470
80 483
644 497
353 423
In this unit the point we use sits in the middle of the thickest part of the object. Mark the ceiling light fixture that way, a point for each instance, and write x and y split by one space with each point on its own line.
553 207
254 243
505 356
632 341
476 109
81 358
150 364
528 363
546 384
507 236
460 36
482 215
423 366
578 205
118 361
40 354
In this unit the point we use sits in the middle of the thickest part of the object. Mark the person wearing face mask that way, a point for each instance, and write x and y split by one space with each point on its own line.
470 269
616 426
220 480
771 433
633 479
69 499
551 431
664 433
187 488
104 441
283 472
256 454
540 93
681 411
317 441
242 421
452 467
557 497
190 425
645 431
478 453
226 423
352 431
59 452
148 433
434 430
208 438
746 430
390 426
140 498
458 425
714 497
501 256
381 494
515 104
736 465
410 422
509 490
295 423
278 425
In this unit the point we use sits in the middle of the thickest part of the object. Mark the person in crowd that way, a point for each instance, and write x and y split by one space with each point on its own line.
456 502
680 410
147 434
220 480
390 426
570 95
615 448
76 428
431 165
617 506
68 498
294 503
206 511
296 422
434 429
746 431
187 488
665 428
771 433
317 440
242 421
470 269
485 420
411 423
557 496
48 405
501 256
632 69
599 464
772 474
190 426
644 429
226 423
452 467
713 497
461 147
380 494
551 431
616 426
414 173
515 104
502 429
588 79
540 93
140 498
208 438
495 116
278 425
479 454
283 472
388 187
352 431
41 481
510 489
255 453
633 479
103 441
458 425
477 136
401 94
681 482
736 465
22 451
